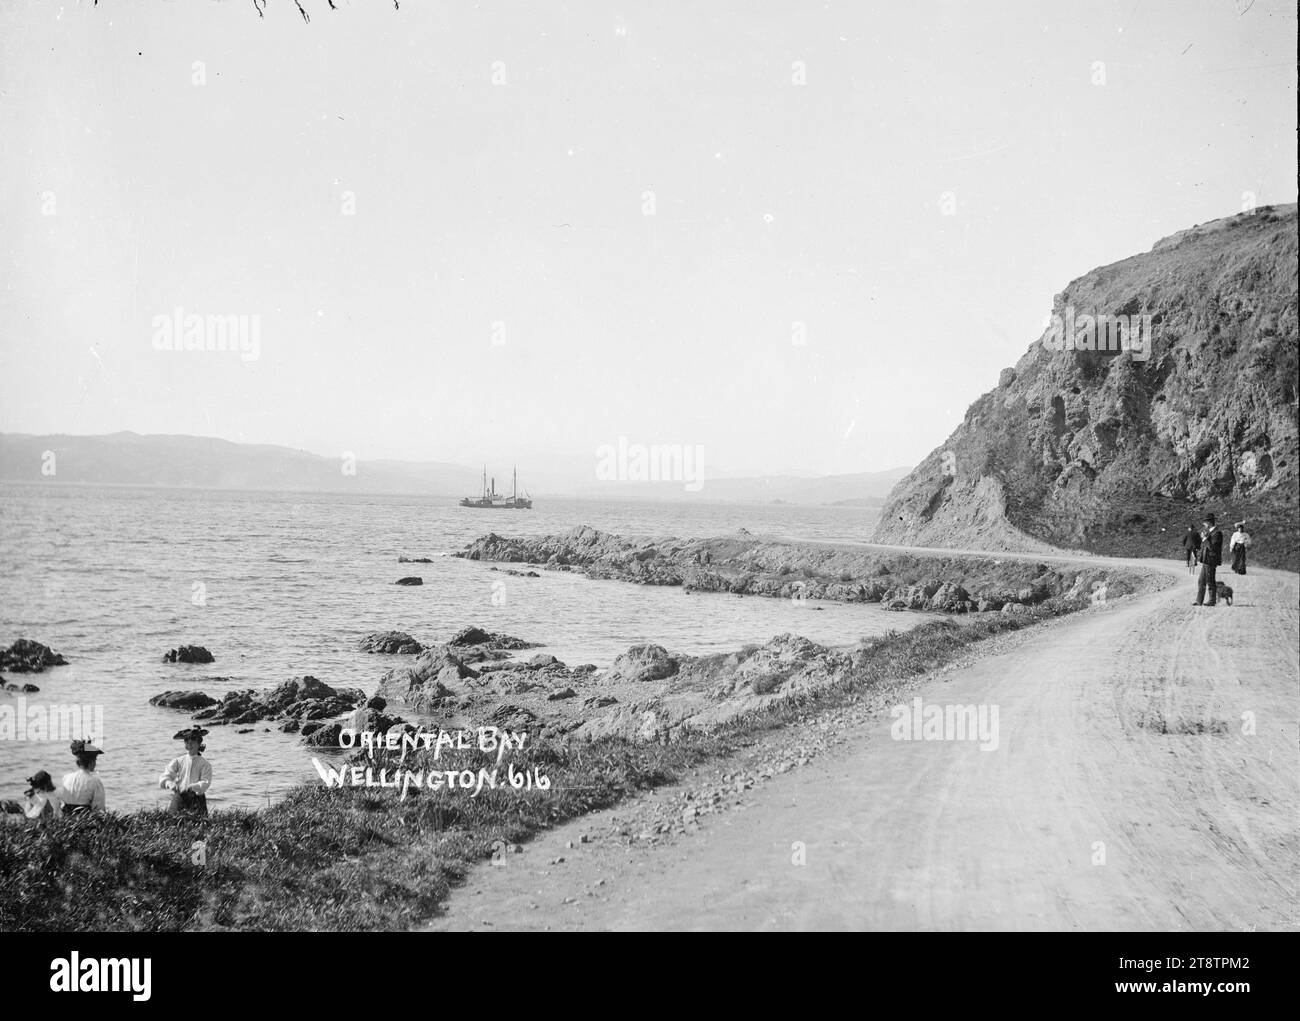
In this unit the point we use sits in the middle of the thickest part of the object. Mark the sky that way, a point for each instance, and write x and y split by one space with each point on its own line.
801 237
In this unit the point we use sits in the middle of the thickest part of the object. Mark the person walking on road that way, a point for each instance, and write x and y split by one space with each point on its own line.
1237 546
1191 543
1211 558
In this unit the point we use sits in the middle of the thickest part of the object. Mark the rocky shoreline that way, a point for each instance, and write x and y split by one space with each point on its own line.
748 565
476 678
600 736
649 694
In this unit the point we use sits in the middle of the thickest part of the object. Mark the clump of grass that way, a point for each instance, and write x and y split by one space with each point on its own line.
360 859
765 683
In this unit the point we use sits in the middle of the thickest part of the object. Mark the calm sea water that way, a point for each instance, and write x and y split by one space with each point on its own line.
279 585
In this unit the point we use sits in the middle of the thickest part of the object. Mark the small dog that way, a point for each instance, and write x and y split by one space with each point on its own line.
1224 592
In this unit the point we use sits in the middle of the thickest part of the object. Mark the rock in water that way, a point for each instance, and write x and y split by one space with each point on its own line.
300 699
28 657
476 636
186 700
410 581
188 654
391 643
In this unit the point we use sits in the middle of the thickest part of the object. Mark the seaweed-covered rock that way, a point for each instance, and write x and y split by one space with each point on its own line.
188 654
184 700
29 657
301 698
390 643
476 636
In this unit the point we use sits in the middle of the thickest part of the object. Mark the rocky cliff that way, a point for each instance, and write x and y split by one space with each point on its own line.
1117 452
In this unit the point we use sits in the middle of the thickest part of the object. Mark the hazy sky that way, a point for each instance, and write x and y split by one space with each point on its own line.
381 187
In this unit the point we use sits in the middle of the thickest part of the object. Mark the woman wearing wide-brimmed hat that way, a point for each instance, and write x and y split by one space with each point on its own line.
83 791
1237 546
41 800
189 776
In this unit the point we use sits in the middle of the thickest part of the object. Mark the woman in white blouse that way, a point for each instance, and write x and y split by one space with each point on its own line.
189 776
83 791
1237 546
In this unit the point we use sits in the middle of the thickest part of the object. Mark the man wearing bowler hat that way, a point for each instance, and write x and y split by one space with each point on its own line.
1211 558
189 776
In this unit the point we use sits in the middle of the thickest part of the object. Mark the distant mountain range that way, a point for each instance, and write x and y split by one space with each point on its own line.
199 462
127 458
861 489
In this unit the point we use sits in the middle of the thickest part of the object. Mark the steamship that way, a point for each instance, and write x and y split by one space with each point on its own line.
492 500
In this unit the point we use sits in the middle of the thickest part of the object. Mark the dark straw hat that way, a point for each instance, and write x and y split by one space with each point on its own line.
198 733
80 747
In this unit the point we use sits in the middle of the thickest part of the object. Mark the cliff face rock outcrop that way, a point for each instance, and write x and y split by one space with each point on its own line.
1117 453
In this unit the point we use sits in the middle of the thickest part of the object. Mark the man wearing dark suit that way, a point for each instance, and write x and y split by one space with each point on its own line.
1211 558
1191 543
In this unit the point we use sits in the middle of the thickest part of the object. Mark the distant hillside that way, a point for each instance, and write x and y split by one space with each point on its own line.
867 489
1114 454
128 458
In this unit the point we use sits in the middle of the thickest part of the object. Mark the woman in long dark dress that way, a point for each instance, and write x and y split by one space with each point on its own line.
1237 546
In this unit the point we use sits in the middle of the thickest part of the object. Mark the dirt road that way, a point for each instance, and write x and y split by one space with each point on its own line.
1146 777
